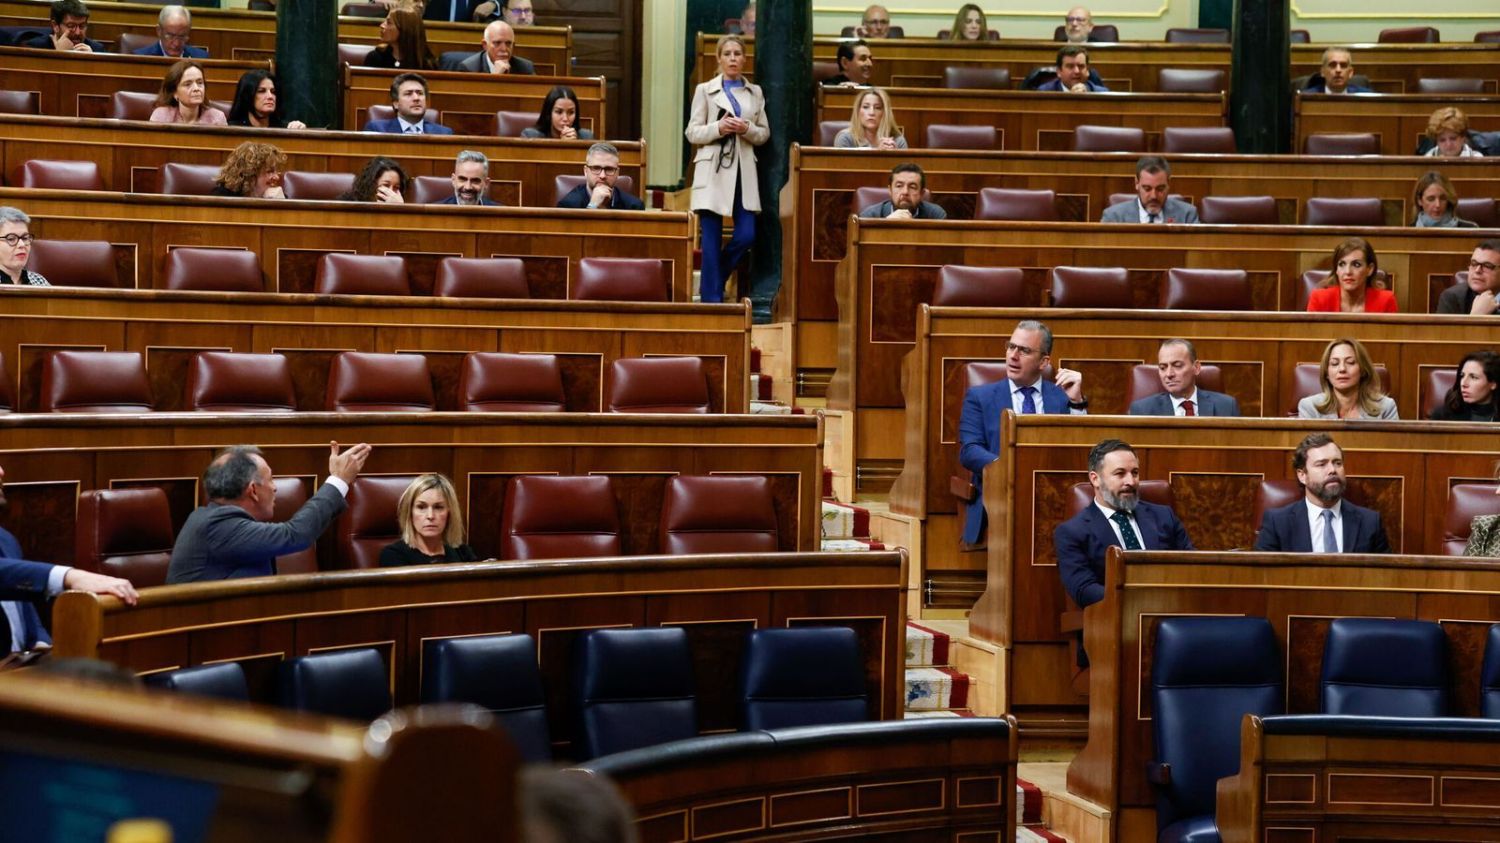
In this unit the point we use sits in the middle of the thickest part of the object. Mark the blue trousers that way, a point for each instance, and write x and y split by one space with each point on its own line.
719 260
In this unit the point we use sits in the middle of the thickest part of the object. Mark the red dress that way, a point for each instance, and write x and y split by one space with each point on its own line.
1326 300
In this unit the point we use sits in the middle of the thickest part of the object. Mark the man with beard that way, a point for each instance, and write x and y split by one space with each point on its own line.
1153 181
1116 518
601 172
1322 522
907 183
471 180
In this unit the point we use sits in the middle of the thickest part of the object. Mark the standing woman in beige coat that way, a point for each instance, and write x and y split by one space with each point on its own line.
727 122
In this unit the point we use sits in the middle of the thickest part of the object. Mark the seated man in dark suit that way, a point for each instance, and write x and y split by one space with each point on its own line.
907 183
1024 391
1116 518
601 170
233 536
856 65
1073 73
409 99
174 29
1153 202
1322 522
1481 295
1177 365
471 180
498 54
1336 75
70 30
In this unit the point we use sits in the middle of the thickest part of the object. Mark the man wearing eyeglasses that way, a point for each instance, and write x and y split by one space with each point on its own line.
875 24
1481 295
513 12
1078 26
70 30
601 170
174 29
1024 391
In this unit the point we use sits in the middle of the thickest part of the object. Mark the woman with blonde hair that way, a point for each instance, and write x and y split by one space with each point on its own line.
969 24
1351 386
1436 202
252 170
872 124
432 526
1448 128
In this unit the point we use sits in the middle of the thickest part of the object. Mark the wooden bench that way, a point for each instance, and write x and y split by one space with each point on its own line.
1398 121
82 85
468 101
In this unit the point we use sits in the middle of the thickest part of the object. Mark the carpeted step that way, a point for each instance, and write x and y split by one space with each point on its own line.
925 647
844 521
1037 834
929 688
850 546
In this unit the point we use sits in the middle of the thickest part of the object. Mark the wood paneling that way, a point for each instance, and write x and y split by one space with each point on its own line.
1397 121
78 85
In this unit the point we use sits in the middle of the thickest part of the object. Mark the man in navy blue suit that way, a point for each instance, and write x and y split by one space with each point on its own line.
1117 517
601 171
22 583
471 180
1024 391
1178 367
409 99
174 29
1322 522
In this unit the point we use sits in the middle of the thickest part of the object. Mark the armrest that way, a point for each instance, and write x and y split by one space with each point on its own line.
961 489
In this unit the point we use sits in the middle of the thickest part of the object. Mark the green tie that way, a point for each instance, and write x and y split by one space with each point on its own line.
1126 531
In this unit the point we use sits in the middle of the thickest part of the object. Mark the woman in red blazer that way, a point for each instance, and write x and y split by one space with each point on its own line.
1352 287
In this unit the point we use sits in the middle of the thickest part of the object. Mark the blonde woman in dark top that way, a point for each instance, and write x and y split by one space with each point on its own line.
432 526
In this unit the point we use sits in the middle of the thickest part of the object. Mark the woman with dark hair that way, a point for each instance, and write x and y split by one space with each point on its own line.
1473 396
252 170
382 180
184 97
403 42
558 118
1352 286
1436 202
256 105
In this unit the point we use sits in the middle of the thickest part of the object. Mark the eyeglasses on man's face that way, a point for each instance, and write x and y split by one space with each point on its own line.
601 170
1474 266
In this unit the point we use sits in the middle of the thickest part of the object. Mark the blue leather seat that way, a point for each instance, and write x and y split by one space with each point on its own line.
344 683
1380 667
498 672
225 681
1489 676
1206 675
632 688
811 676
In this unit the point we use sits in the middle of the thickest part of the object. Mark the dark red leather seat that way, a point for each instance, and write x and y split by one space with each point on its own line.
864 197
363 10
1198 139
353 54
979 286
1435 385
20 102
563 185
1449 85
132 41
496 382
549 517
124 533
1091 286
829 129
1159 492
986 78
1206 289
1480 210
369 382
95 382
1145 380
303 185
1273 494
657 385
1109 139
1193 35
75 263
1239 210
362 275
510 124
131 105
1466 500
622 279
369 523
227 382
291 494
42 174
188 179
952 136
1342 211
482 278
430 190
1189 80
824 70
1342 143
1409 35
1000 203
718 514
218 270
1491 36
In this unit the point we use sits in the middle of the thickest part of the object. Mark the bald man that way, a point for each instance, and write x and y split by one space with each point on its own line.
498 55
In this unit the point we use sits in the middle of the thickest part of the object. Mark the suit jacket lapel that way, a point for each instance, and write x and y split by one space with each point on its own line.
1301 534
1145 519
1099 526
1351 527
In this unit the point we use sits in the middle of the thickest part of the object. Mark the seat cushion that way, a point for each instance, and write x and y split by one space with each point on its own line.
1190 830
370 382
497 382
718 514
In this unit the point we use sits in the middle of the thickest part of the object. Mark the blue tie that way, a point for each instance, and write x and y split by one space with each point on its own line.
1330 541
1028 403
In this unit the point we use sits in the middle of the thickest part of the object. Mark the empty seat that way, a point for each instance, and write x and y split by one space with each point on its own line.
657 385
124 533
1491 36
228 382
1489 675
225 681
43 174
352 54
718 514
1193 35
291 494
1091 286
1207 673
822 70
1450 85
344 683
1109 139
188 179
430 190
370 382
75 263
1465 501
622 279
1146 381
131 105
20 102
1273 494
1000 203
632 688
1341 211
510 124
362 275
496 382
828 131
987 78
385 112
564 184
805 676
979 286
499 673
1239 210
1342 143
369 523
303 185
952 136
214 270
1177 80
1409 35
1206 289
482 278
1480 210
549 517
1435 386
1384 667
95 382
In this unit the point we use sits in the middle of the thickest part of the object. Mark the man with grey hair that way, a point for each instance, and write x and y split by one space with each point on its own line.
471 180
174 29
1335 74
601 172
233 535
1154 203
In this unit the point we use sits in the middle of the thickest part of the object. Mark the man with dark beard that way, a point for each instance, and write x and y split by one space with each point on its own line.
1116 518
1322 522
907 183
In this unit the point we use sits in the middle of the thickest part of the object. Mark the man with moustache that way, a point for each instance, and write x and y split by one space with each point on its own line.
498 54
1153 203
601 171
1178 367
471 180
1322 522
907 183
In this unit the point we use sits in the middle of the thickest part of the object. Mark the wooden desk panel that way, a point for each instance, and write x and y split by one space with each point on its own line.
81 85
130 154
1398 121
1300 595
468 101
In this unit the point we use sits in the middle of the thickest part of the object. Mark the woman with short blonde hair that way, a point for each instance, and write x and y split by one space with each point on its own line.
432 525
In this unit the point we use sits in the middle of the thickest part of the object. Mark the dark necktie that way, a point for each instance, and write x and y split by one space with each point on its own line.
1028 403
1187 409
1330 541
1127 533
1153 218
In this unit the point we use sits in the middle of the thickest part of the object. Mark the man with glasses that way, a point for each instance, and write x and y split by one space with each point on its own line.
875 24
601 170
1078 26
174 29
70 30
498 54
1481 295
513 12
1024 391
471 180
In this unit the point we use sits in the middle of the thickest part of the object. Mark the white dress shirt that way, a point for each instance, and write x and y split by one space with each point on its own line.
411 128
1315 525
1178 402
1018 399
